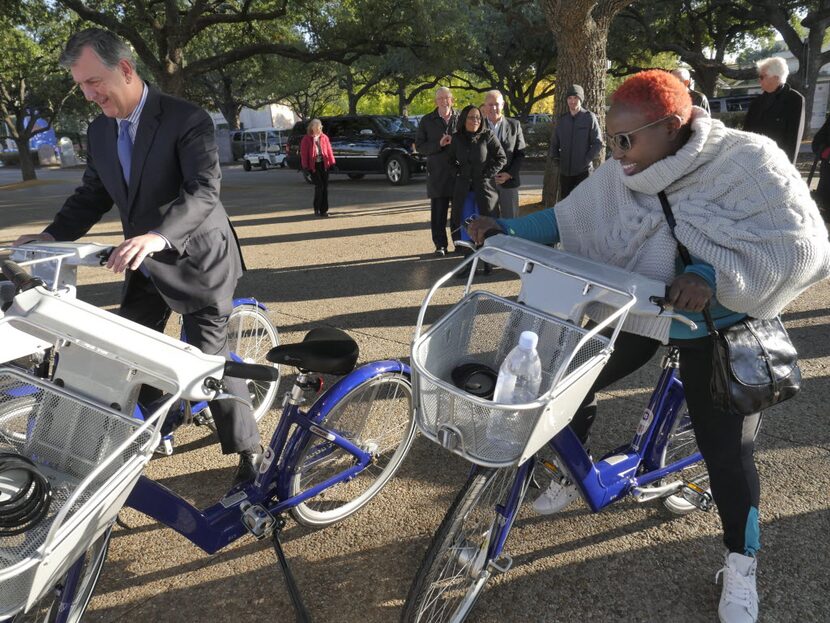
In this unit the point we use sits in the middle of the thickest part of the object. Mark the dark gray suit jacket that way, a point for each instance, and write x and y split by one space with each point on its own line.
174 191
513 144
440 172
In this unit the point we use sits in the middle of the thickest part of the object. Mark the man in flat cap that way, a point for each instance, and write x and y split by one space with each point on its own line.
576 141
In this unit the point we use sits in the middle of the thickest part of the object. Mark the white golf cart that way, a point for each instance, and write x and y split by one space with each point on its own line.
268 155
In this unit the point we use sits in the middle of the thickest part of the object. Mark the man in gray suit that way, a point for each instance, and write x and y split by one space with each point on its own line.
510 135
154 157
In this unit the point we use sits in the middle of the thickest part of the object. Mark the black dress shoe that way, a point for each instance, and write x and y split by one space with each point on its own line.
440 251
249 461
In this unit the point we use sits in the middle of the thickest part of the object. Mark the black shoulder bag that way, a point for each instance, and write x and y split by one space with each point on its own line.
754 363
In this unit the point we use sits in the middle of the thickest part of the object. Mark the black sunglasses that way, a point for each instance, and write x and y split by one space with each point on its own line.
622 140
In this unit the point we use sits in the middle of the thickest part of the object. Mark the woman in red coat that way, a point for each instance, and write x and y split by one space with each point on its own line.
317 158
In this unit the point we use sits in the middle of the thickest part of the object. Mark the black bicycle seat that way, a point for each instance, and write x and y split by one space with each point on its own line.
323 350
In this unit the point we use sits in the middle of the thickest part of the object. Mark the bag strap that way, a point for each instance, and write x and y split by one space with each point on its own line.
684 255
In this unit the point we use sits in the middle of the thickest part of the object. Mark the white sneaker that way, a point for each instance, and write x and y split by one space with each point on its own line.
556 497
739 598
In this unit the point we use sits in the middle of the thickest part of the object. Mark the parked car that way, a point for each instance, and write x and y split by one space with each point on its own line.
256 140
537 118
735 103
366 144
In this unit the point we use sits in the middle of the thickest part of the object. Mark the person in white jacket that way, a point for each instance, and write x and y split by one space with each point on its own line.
756 240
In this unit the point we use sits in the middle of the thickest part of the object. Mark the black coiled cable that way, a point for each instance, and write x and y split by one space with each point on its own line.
26 507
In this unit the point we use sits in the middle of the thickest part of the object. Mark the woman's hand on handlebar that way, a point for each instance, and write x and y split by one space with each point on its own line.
479 227
689 292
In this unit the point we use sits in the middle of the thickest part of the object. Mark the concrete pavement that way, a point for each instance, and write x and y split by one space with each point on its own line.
366 270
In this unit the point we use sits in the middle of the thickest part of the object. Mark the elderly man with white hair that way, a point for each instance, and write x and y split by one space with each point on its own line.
779 111
698 98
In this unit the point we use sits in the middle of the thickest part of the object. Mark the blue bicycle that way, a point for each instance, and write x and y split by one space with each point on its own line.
321 464
557 292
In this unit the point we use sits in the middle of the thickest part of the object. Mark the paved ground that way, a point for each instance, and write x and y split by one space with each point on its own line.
366 270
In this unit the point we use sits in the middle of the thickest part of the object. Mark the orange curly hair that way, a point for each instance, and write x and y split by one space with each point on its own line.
655 92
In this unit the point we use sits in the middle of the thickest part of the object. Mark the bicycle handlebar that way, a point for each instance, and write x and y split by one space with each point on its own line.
19 277
252 371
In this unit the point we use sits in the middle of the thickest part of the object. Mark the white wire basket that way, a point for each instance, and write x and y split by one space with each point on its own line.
91 456
559 293
482 329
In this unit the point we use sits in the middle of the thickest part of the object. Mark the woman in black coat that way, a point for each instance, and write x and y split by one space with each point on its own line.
477 156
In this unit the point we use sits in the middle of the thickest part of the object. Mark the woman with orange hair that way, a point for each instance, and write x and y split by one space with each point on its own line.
756 241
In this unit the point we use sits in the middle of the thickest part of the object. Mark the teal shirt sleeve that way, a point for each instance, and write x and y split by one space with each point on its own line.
537 227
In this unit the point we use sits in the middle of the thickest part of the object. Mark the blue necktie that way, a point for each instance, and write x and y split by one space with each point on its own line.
125 149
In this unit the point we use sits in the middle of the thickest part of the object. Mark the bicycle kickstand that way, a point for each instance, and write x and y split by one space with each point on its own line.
290 582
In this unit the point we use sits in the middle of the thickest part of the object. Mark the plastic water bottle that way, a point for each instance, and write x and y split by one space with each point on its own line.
519 379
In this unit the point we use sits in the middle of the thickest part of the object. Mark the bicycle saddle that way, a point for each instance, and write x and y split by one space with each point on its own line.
323 350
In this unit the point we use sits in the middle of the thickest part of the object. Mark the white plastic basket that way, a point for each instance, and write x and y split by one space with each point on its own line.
483 328
91 456
559 292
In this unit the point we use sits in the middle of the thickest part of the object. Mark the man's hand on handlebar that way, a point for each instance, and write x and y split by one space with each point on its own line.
42 237
131 252
689 292
478 228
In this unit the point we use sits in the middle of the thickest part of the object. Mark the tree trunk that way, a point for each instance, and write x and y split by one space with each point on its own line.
580 28
27 161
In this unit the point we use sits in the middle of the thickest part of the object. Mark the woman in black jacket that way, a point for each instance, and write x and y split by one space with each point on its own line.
477 156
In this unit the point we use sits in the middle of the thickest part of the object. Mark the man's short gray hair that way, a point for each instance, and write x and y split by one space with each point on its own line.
494 93
109 48
441 90
774 66
682 74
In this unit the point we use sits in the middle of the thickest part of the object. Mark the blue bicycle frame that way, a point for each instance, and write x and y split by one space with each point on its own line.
619 472
213 528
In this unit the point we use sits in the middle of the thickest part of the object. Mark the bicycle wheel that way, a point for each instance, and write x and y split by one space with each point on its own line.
250 336
680 444
456 567
377 417
46 610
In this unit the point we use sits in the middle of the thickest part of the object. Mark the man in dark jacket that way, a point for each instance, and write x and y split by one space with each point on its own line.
434 135
779 111
575 143
154 157
509 133
698 98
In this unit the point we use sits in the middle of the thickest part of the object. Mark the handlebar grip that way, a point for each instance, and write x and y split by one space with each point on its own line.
253 371
20 278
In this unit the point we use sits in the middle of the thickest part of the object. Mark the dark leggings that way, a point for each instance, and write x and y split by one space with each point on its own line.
726 441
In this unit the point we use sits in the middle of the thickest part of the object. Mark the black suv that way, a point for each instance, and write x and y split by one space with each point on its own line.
366 144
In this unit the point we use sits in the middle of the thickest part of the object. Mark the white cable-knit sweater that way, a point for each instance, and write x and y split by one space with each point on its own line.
740 206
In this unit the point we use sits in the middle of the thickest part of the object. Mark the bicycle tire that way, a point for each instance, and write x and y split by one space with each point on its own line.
46 610
251 334
379 408
456 568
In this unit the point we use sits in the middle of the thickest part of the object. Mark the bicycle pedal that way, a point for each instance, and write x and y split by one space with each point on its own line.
164 448
202 419
696 495
501 564
257 520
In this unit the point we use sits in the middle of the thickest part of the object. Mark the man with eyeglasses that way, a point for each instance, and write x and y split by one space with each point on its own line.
433 138
778 112
509 133
576 142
